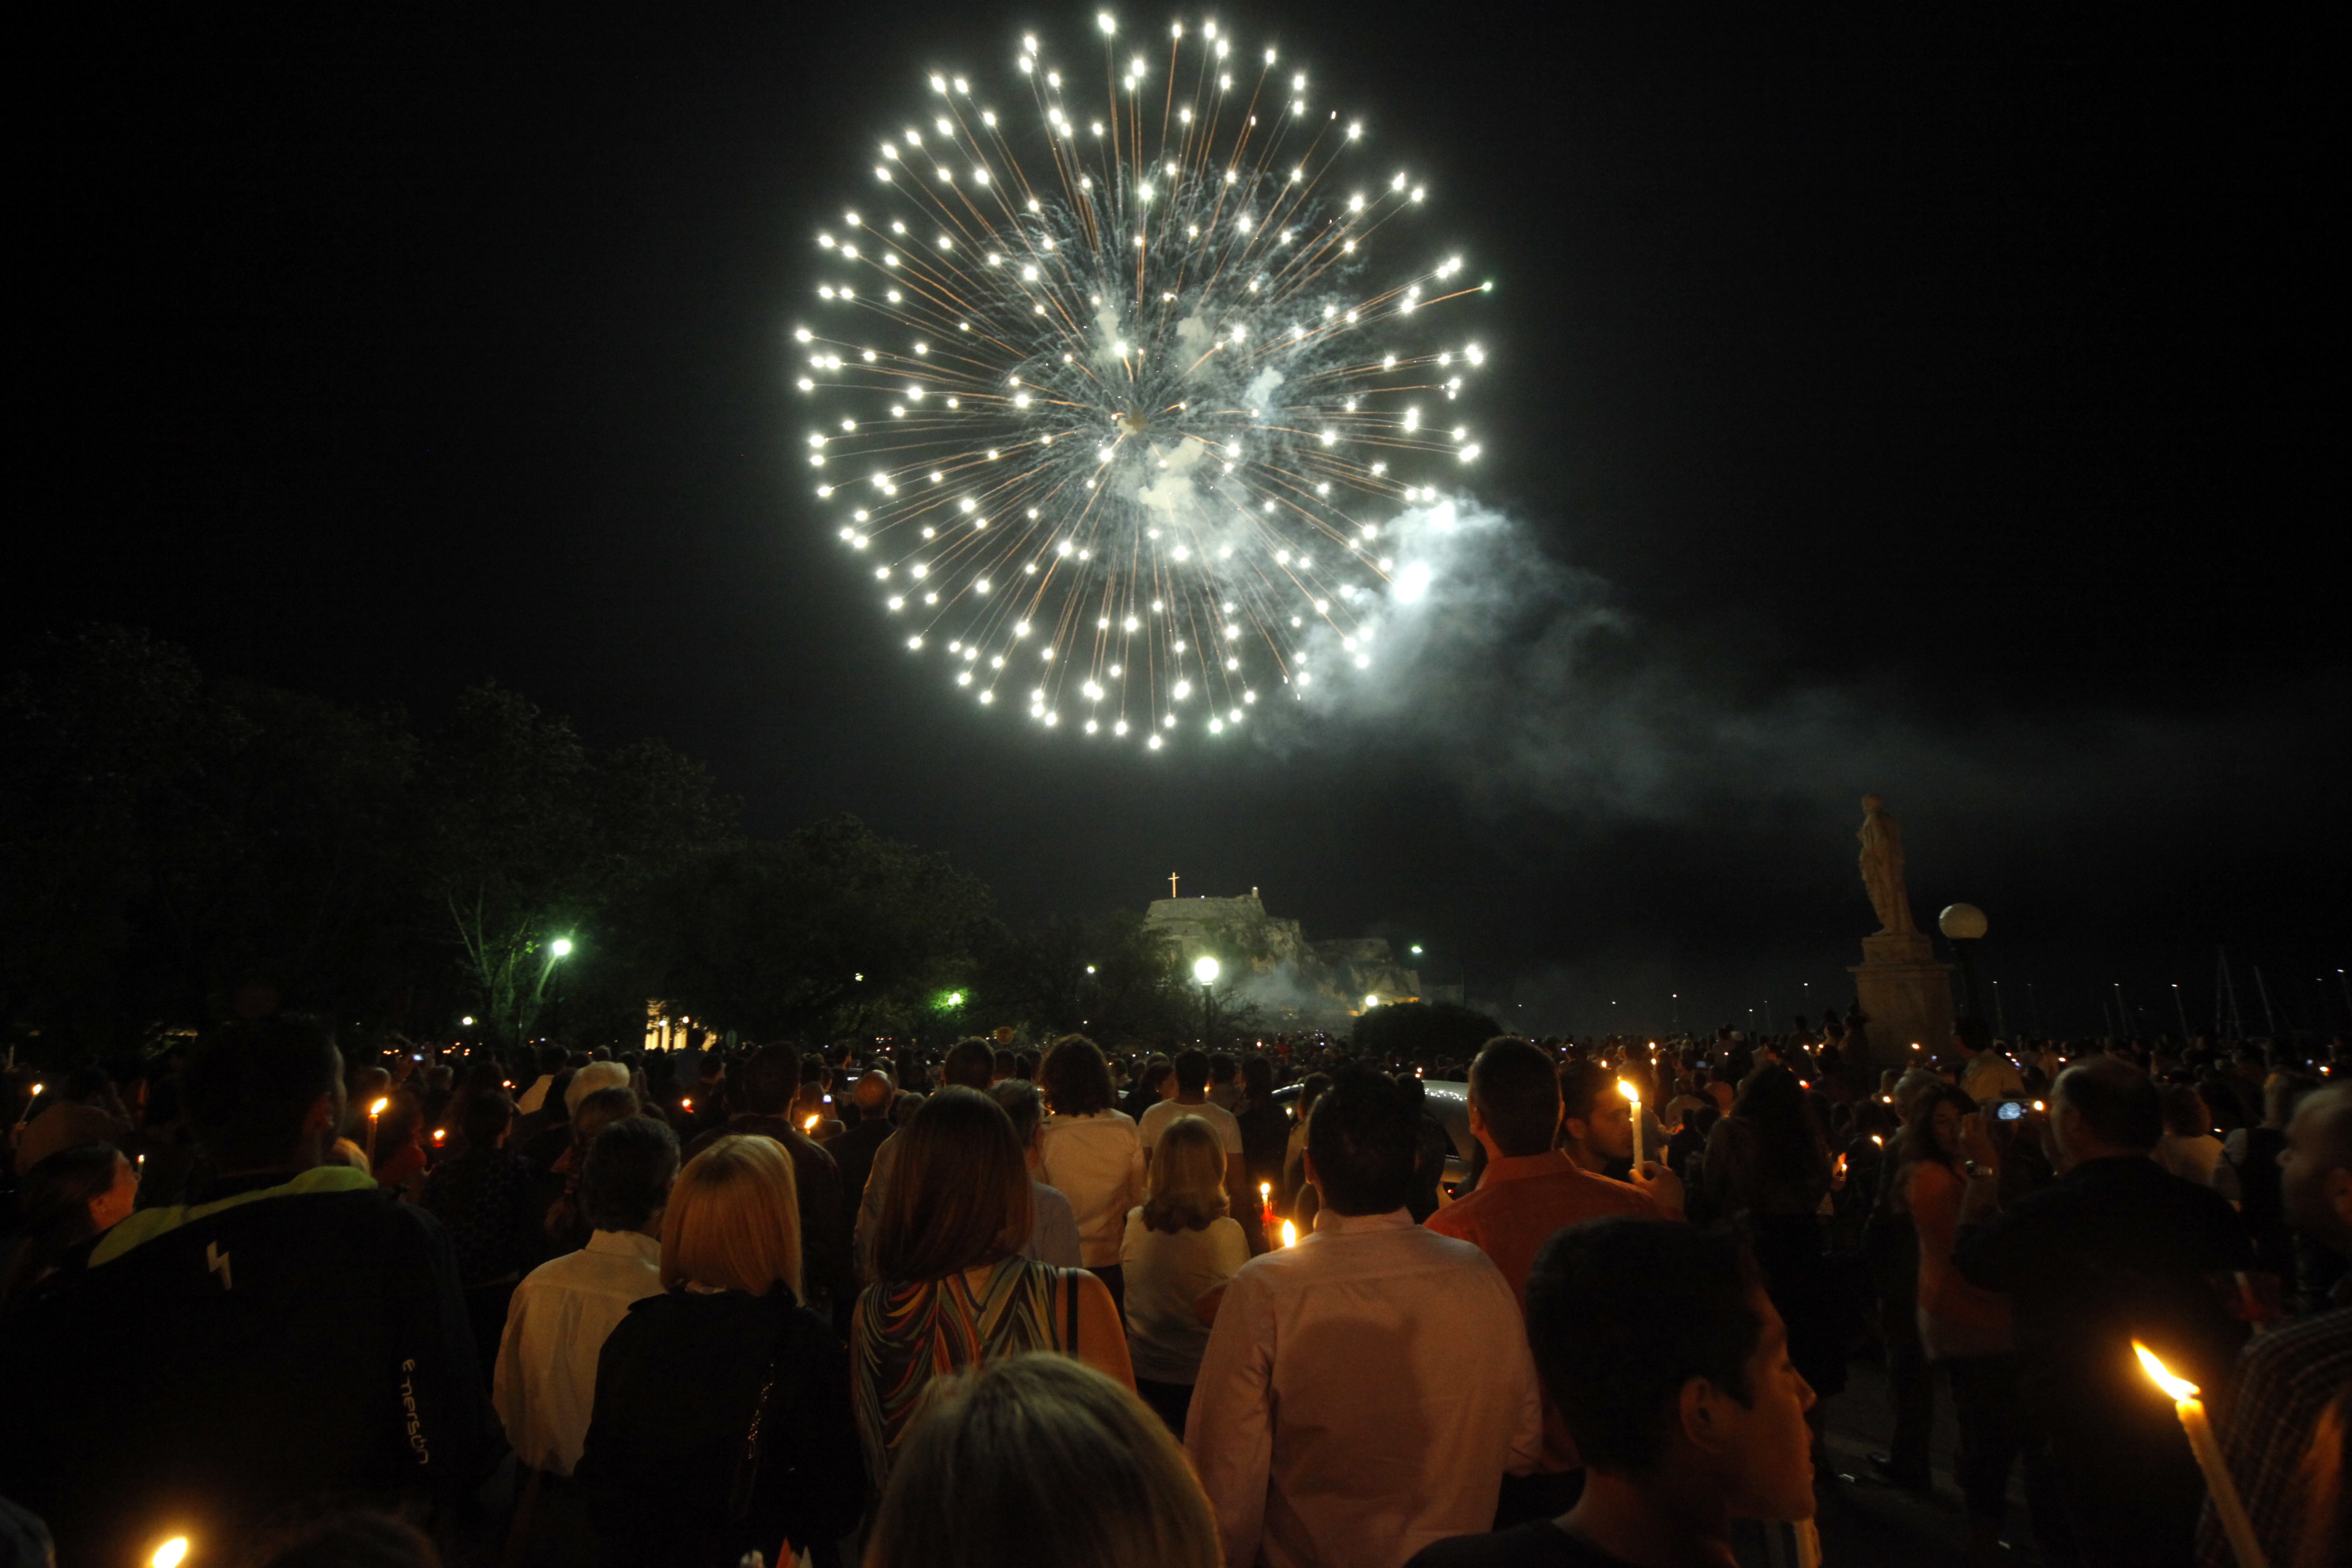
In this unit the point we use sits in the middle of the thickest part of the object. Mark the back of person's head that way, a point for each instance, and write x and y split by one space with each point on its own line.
871 1094
1023 1103
1152 1077
1040 1461
767 1081
551 1060
1221 1069
1076 1077
1310 1089
1582 1082
1517 1093
54 1210
2184 1111
327 1535
733 1221
600 1111
1973 1036
903 1106
1188 1177
1192 1070
972 1063
626 1178
1257 1080
249 1089
1364 1141
1005 1064
1622 1314
960 1194
2116 1101
487 1119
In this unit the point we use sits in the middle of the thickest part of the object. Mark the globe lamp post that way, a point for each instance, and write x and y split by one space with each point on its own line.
1964 926
1205 971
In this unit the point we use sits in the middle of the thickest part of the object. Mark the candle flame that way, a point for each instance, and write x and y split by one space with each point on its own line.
1629 1092
685 1105
171 1553
439 1133
2160 1376
36 1090
378 1108
1265 1190
1289 1234
810 1125
1841 1166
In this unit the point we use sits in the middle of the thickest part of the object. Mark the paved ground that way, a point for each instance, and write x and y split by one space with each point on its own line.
1865 1522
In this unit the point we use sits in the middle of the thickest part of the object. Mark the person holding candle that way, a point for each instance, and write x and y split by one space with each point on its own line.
1054 1224
2288 1378
770 1078
2116 1250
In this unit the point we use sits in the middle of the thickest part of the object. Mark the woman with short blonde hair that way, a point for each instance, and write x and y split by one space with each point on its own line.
1042 1461
722 1421
1180 1248
734 1220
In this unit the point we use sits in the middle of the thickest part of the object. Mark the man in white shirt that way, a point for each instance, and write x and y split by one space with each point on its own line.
545 1385
1988 1074
1192 1099
1364 1392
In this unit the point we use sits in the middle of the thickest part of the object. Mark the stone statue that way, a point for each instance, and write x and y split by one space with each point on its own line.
1882 869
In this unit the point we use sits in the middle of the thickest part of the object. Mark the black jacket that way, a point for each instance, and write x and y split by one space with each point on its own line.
675 1384
2117 1249
307 1340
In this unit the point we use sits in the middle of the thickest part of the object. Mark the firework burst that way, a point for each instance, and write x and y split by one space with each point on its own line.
1112 395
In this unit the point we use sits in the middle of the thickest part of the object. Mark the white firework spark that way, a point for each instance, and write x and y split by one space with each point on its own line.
1120 422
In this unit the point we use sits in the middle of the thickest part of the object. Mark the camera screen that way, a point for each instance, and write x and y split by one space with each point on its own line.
2009 1110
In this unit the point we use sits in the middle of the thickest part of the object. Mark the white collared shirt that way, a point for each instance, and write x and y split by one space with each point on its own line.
562 1313
1361 1396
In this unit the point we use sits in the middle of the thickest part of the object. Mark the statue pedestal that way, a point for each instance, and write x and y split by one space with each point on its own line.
1907 994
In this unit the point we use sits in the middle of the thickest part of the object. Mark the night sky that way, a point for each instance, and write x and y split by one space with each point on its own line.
1952 414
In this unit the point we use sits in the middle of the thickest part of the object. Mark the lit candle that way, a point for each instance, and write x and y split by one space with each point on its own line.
374 1112
30 1101
2223 1491
1628 1090
810 1125
172 1554
1289 1234
1265 1205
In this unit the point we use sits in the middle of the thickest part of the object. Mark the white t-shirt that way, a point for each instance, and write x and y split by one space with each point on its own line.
1167 1272
1156 1119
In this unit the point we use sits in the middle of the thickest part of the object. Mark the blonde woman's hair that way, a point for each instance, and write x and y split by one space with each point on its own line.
733 1221
1041 1460
1188 1177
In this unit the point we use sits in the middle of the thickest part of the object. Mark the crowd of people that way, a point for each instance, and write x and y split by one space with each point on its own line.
1005 1304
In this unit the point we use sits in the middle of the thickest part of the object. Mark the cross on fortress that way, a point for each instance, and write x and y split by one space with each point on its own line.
1172 884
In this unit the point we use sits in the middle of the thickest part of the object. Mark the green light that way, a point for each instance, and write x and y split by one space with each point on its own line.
561 947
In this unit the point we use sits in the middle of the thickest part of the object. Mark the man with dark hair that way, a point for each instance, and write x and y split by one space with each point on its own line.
2288 1379
1660 1343
545 1385
1596 1122
1224 1090
2117 1249
971 1063
1363 1392
1192 1070
1529 1191
768 1082
291 1332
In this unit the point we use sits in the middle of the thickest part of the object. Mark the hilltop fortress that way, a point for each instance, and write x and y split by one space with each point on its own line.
1295 983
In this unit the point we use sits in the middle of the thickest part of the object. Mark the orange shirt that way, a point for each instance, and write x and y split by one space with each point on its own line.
1519 1203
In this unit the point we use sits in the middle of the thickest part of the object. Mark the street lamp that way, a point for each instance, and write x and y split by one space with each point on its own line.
1204 970
1964 926
561 947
